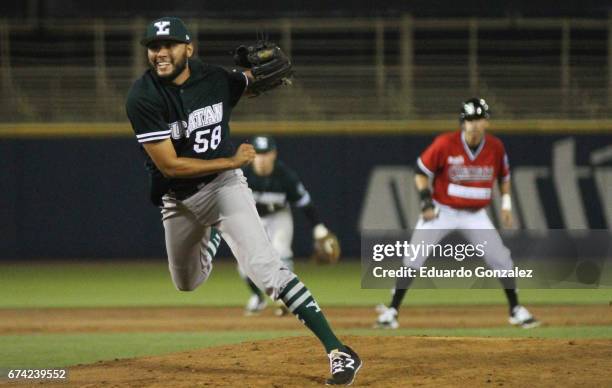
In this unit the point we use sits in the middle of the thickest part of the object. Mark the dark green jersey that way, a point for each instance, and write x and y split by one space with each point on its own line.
277 190
195 115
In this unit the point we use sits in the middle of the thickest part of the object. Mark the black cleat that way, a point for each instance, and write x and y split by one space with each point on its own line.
344 366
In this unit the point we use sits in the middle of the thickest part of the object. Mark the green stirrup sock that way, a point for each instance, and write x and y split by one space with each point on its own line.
301 303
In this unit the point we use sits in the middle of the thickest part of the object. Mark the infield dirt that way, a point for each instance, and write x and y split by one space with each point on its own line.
155 319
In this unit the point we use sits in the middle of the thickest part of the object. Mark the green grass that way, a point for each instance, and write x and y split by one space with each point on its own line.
148 284
116 284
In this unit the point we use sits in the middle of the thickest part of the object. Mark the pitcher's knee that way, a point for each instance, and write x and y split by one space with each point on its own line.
272 282
185 280
185 287
186 284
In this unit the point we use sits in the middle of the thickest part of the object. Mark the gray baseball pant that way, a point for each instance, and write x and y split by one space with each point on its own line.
227 204
475 226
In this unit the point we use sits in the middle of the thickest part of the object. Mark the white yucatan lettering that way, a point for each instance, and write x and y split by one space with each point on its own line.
204 117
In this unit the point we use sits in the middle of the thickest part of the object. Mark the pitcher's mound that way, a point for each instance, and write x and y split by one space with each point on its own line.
388 362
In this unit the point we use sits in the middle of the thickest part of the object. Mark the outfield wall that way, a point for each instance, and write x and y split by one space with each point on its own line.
67 194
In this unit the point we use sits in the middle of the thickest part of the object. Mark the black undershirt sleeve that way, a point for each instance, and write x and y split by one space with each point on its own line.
237 85
311 213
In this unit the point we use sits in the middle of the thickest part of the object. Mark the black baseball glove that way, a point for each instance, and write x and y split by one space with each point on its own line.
268 63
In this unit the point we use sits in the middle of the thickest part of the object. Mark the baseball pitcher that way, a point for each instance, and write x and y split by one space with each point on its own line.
180 110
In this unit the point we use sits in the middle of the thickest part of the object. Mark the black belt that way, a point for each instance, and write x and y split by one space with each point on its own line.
183 194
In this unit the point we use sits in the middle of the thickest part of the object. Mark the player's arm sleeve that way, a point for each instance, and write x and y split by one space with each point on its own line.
238 83
310 211
504 166
430 161
299 197
146 119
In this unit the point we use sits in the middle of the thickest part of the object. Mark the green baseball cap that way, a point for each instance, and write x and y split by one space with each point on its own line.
263 144
167 28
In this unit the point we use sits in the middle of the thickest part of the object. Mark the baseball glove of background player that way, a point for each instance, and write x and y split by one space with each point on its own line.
327 249
268 63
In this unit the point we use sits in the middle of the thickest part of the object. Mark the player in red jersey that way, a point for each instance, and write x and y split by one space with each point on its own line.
464 166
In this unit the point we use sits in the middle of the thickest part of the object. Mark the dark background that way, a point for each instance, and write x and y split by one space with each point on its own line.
88 198
266 9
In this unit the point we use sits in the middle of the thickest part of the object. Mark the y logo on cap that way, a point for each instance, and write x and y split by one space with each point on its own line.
163 27
262 142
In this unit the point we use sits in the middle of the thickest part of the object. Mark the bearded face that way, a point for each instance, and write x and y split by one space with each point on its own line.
168 59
